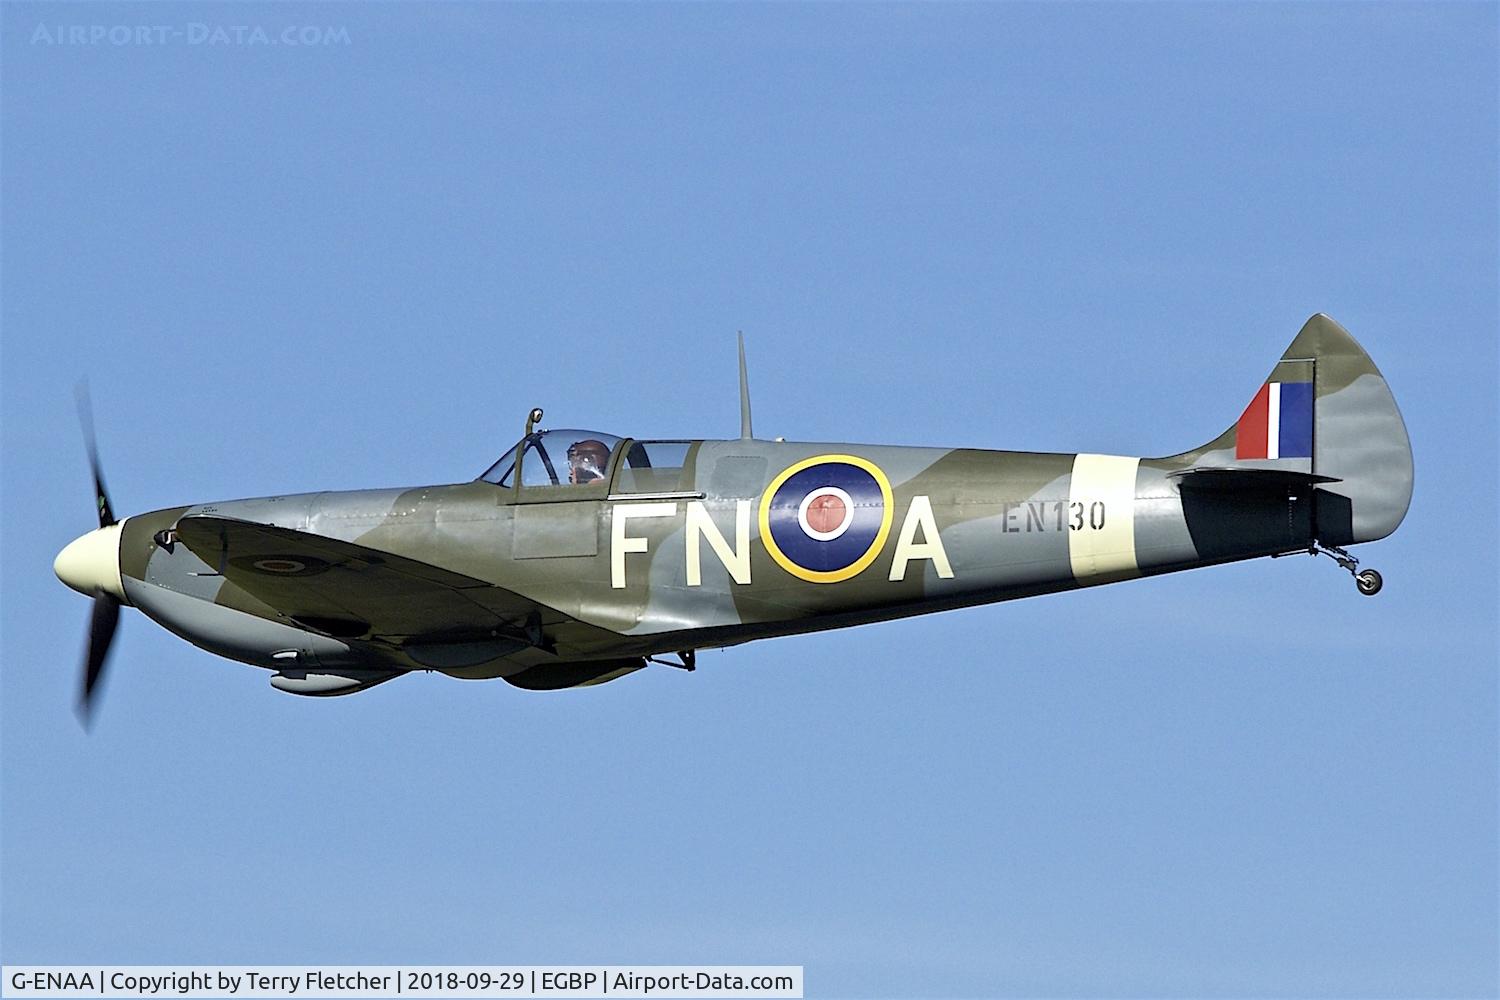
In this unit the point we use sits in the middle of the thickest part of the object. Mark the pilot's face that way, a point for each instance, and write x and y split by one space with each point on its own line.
584 468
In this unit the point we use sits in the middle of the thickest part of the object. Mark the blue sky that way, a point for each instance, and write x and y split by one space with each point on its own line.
289 268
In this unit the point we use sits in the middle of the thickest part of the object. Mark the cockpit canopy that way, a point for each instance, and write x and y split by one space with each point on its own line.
585 458
556 458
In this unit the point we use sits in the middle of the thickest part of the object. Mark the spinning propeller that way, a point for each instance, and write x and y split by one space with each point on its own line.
90 565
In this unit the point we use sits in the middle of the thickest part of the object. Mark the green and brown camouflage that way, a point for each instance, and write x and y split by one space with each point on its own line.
549 582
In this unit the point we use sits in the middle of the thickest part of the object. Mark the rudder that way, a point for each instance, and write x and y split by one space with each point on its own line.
1324 415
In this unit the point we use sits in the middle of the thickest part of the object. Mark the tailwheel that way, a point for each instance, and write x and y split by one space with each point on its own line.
1367 581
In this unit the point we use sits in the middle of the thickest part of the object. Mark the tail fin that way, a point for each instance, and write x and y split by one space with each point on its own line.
1325 417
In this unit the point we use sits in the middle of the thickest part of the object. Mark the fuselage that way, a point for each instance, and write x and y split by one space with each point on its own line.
721 548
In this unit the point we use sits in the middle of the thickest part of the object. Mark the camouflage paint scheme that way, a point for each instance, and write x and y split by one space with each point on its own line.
560 586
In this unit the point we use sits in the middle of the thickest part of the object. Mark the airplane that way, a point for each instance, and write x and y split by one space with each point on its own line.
579 557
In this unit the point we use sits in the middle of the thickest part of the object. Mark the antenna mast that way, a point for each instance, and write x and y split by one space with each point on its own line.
745 432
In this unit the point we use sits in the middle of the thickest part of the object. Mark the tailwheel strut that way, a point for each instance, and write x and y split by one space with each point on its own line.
1366 581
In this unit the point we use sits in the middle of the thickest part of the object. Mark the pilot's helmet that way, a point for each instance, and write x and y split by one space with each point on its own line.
587 460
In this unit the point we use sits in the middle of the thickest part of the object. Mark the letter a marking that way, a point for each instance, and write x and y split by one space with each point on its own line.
919 515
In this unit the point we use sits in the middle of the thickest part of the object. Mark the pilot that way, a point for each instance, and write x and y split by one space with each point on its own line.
587 460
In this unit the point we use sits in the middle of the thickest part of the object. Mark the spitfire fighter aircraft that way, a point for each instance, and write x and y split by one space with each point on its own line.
581 556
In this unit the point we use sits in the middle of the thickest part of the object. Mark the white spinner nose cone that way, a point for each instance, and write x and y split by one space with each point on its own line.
91 563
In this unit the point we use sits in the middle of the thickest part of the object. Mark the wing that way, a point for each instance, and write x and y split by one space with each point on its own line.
351 591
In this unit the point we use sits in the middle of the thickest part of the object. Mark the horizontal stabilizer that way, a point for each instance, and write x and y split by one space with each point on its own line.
1247 480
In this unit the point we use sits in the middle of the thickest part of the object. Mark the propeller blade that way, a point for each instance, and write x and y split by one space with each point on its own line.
106 613
102 623
86 418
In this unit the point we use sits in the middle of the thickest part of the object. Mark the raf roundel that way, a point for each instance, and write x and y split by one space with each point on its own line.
282 565
826 513
826 518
